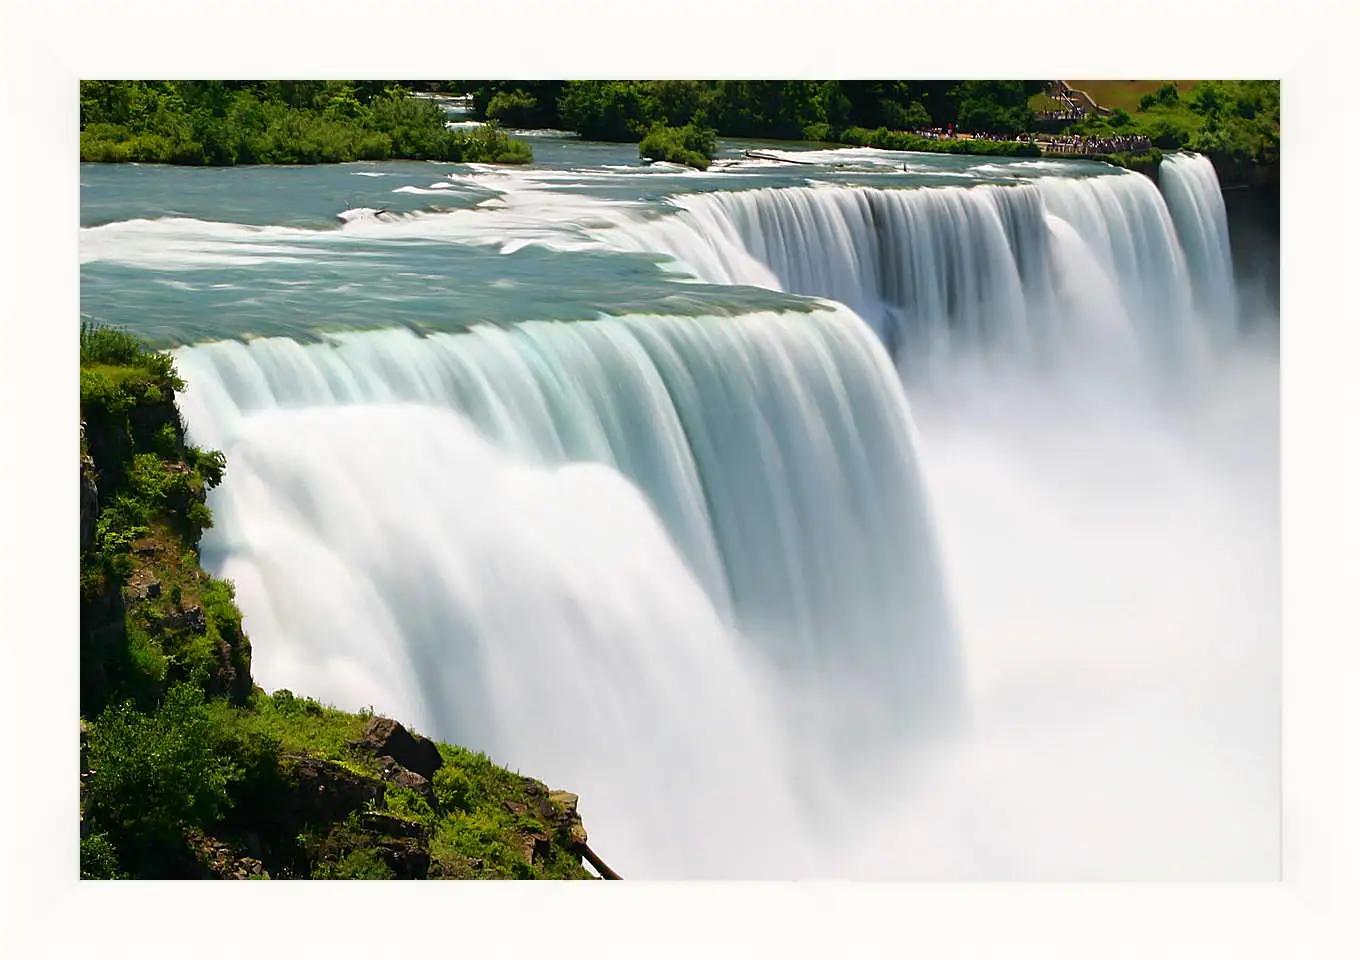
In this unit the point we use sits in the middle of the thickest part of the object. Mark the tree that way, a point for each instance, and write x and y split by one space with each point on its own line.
615 110
515 108
993 106
155 774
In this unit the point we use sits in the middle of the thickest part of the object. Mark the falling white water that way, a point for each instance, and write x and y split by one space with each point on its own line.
690 567
1196 204
954 275
676 514
1115 560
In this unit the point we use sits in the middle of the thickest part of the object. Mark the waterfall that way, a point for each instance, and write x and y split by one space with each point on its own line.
687 566
1196 203
593 549
1065 271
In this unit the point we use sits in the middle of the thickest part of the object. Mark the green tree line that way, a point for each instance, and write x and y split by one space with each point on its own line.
226 122
627 110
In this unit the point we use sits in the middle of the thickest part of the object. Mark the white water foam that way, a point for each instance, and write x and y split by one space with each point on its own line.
707 543
1061 270
1196 204
682 566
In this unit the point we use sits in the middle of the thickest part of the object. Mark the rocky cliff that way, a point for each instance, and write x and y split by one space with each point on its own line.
189 770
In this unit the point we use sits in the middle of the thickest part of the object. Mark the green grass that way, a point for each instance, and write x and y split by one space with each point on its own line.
1124 94
1040 102
1236 123
300 725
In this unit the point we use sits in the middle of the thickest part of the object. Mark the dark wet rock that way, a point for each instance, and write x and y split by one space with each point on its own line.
409 859
89 502
388 738
395 827
328 791
394 773
564 816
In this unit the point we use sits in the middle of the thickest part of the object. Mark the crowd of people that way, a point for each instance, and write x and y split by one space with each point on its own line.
1077 144
1064 144
1004 137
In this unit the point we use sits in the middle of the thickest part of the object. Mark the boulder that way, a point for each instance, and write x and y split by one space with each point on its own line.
393 827
328 791
89 502
395 773
190 619
535 846
218 860
409 859
388 738
564 817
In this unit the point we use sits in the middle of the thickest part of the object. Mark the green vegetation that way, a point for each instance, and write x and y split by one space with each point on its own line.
1141 162
1236 123
690 145
994 106
225 122
626 110
188 769
1041 102
893 140
515 108
1125 94
151 491
157 772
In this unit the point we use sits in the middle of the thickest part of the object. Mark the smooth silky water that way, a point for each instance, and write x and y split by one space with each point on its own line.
886 516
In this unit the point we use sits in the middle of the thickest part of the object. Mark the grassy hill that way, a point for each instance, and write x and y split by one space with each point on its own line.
1124 94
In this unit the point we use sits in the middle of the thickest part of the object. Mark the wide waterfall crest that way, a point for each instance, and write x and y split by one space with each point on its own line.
749 477
1008 274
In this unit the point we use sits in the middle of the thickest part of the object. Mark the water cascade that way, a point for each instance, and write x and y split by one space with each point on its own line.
1196 204
548 540
1059 270
704 571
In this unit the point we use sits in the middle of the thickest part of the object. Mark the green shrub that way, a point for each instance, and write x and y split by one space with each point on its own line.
620 111
100 343
885 139
516 108
285 122
362 864
480 835
154 774
486 144
452 788
146 657
690 145
817 131
406 803
99 858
